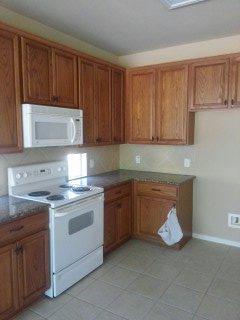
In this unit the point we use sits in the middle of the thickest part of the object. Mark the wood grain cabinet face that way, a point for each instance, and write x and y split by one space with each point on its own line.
124 218
208 84
141 104
37 72
172 105
103 104
151 214
86 76
65 79
110 226
8 282
10 111
117 106
234 94
33 266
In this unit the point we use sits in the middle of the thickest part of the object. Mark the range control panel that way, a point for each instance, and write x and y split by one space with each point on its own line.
37 172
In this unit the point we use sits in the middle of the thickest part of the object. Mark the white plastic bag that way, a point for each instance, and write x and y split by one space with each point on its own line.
171 231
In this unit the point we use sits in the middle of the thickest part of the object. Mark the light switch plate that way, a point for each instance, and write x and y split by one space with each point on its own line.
187 163
234 220
91 163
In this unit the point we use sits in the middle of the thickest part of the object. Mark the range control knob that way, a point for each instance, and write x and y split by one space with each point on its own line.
18 176
25 175
59 169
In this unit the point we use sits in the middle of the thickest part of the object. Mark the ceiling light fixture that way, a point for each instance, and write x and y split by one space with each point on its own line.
174 4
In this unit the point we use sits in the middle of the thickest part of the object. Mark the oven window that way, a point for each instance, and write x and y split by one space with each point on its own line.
50 130
80 222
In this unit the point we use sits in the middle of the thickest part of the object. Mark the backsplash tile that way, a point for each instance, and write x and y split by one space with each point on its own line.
105 159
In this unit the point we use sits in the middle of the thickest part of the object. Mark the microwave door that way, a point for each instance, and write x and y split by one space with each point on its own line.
51 130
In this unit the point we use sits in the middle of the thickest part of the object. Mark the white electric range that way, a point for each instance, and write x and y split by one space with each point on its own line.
75 215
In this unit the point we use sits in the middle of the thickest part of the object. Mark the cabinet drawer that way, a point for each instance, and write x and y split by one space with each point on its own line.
156 190
117 192
18 229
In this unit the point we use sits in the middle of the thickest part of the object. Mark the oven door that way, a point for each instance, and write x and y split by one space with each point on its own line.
76 230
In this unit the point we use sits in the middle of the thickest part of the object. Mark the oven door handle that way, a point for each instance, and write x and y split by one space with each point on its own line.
69 209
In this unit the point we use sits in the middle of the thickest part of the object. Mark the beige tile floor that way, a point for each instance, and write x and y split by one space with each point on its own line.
141 281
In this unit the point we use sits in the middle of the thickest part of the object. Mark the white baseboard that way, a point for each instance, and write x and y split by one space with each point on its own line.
217 240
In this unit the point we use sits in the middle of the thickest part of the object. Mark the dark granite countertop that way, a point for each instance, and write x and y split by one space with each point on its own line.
12 208
109 179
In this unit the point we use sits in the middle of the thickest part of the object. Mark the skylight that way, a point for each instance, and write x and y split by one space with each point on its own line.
174 4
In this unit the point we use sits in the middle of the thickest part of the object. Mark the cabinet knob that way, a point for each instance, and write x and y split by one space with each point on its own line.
225 102
153 138
19 250
158 139
232 102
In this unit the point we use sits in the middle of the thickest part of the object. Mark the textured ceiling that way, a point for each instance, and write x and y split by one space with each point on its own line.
129 26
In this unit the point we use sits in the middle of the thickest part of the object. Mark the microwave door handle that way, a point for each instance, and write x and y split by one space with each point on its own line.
73 131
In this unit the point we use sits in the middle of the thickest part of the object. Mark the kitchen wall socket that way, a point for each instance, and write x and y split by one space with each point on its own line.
187 163
138 159
91 163
234 220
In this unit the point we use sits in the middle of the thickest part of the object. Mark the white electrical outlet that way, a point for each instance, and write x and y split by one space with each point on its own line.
91 163
234 220
138 159
187 163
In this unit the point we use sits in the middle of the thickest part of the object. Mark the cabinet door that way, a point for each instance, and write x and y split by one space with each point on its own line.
150 216
33 266
37 72
117 106
172 105
234 95
110 226
141 104
103 104
208 84
8 282
124 218
10 111
65 79
87 100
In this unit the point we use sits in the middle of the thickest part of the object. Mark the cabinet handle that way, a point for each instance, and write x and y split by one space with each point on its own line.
225 102
157 139
19 250
154 189
153 138
16 229
98 140
232 102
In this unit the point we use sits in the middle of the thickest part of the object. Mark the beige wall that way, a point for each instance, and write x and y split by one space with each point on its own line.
187 51
16 20
215 155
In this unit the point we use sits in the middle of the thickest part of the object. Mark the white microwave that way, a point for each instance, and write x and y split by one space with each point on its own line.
45 126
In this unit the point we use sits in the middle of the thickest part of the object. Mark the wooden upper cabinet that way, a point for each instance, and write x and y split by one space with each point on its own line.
141 105
33 266
234 93
118 134
8 280
65 89
172 117
86 76
103 104
208 84
10 110
37 72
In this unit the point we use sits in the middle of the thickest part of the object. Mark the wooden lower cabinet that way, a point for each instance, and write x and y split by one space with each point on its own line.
8 282
24 268
33 267
152 202
151 214
117 218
